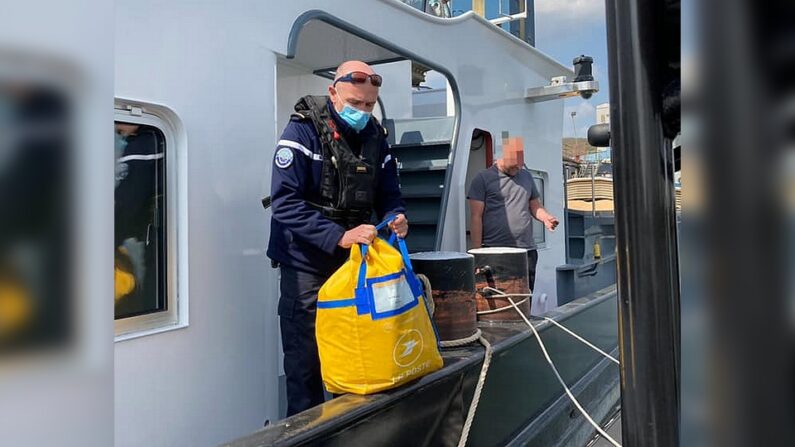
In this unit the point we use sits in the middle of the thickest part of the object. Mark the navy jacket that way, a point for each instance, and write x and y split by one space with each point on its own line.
137 186
301 237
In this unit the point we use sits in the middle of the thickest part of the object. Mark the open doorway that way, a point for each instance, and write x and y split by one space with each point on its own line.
481 156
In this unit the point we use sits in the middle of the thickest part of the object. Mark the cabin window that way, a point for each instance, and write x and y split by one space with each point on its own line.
539 231
144 215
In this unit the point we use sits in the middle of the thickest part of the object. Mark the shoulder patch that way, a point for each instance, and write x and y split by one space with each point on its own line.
284 157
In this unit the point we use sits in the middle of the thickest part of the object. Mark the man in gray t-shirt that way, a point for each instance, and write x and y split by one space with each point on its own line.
503 200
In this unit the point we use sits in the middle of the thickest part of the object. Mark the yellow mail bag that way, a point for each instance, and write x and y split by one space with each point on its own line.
374 330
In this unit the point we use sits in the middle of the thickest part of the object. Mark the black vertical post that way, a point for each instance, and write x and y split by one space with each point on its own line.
648 282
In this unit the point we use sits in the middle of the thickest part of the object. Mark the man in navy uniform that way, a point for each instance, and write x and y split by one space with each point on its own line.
138 216
332 169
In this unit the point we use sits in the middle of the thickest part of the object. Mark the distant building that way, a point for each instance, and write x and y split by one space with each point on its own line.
514 16
603 113
509 12
575 149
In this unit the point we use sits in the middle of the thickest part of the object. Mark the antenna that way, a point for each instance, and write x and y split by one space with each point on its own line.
574 126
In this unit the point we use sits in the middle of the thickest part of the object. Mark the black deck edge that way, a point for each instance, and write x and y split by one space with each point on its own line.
600 386
456 362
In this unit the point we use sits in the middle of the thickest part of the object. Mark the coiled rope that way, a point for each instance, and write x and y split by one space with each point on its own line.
461 341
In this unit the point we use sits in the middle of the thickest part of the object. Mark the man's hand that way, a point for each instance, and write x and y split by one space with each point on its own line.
363 234
400 226
550 221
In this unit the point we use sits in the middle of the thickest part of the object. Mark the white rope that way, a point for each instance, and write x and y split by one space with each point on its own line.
500 309
502 294
478 335
564 328
461 341
487 360
426 284
586 342
473 406
560 379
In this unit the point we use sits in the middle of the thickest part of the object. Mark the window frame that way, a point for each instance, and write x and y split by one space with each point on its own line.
175 315
543 178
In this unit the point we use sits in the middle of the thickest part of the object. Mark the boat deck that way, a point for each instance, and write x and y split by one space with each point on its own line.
521 403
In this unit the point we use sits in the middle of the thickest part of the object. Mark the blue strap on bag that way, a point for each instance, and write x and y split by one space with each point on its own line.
362 297
414 282
363 294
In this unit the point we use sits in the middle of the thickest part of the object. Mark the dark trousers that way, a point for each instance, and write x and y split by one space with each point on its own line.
297 308
532 260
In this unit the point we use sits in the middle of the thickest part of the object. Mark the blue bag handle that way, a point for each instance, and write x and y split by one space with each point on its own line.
364 248
362 301
404 251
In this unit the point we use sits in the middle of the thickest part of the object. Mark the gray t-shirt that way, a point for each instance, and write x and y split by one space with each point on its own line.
507 221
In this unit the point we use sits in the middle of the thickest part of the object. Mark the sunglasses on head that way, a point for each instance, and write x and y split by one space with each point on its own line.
360 77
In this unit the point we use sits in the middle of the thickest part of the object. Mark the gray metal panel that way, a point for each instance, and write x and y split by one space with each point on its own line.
317 57
421 130
575 280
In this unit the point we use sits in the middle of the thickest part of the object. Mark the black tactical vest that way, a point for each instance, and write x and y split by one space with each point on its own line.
348 181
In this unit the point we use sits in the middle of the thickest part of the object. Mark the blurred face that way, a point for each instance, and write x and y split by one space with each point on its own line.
513 159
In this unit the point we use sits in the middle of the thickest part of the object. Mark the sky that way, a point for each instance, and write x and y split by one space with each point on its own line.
566 29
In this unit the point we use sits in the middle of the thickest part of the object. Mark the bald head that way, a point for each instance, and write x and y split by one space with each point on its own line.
362 96
349 66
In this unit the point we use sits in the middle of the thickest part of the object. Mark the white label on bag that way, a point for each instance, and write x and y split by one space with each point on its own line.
391 295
